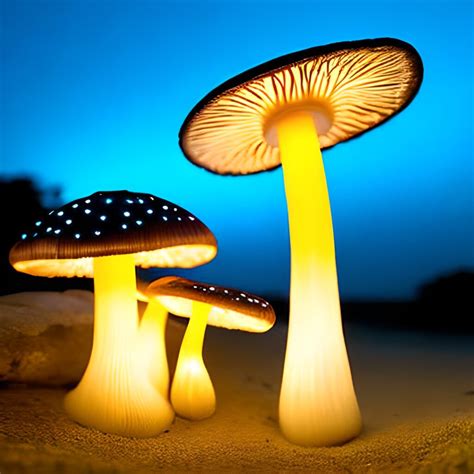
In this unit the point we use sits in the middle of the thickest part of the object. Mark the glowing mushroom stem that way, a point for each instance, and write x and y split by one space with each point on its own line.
152 344
115 394
318 405
192 392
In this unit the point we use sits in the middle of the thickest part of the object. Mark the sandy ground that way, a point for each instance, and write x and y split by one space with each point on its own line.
416 394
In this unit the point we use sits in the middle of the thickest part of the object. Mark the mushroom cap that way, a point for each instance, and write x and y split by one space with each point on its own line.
157 232
349 87
230 308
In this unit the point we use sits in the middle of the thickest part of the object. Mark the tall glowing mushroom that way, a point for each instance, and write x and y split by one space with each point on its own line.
192 392
104 236
284 112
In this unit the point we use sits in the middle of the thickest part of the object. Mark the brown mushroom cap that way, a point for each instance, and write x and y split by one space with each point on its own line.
349 88
231 309
157 232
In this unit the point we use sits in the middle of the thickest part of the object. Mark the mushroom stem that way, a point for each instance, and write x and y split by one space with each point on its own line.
318 405
192 392
116 394
152 343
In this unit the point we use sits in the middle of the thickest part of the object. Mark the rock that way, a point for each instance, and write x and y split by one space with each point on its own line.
45 337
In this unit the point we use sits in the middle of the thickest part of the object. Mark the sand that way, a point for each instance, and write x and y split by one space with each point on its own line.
416 394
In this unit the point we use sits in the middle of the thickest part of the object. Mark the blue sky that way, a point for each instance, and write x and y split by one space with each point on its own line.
94 93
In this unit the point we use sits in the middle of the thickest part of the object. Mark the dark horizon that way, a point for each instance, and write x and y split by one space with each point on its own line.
442 304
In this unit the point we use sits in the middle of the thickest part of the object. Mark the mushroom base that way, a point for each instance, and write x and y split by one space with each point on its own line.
318 406
116 393
192 392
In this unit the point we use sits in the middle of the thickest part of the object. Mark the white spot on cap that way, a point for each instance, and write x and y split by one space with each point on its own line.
87 211
38 223
195 286
102 218
250 300
165 208
237 299
75 205
124 226
108 201
129 201
264 305
57 231
139 222
60 213
69 222
77 235
140 201
49 229
165 218
212 288
152 198
191 218
49 213
242 294
149 211
126 214
179 219
87 201
226 292
97 232
35 234
24 236
175 209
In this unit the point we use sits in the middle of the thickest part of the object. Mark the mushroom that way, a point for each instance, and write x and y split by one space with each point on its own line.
152 337
192 392
104 236
284 112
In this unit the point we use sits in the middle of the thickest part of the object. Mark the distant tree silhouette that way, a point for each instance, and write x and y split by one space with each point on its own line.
21 203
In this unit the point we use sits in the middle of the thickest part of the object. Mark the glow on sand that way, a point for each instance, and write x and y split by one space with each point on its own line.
116 393
192 392
318 406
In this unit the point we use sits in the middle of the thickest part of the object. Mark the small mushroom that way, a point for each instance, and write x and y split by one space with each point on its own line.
284 112
104 236
192 392
152 339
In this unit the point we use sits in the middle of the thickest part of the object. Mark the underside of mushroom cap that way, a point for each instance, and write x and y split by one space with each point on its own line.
348 87
156 232
230 308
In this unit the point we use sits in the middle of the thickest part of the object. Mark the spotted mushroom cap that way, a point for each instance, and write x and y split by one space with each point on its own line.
231 309
348 87
157 232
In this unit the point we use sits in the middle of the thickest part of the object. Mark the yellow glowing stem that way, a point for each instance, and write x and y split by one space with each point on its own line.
115 394
318 405
152 344
192 392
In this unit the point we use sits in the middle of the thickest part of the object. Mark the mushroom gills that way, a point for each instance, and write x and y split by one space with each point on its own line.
192 392
318 405
116 394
